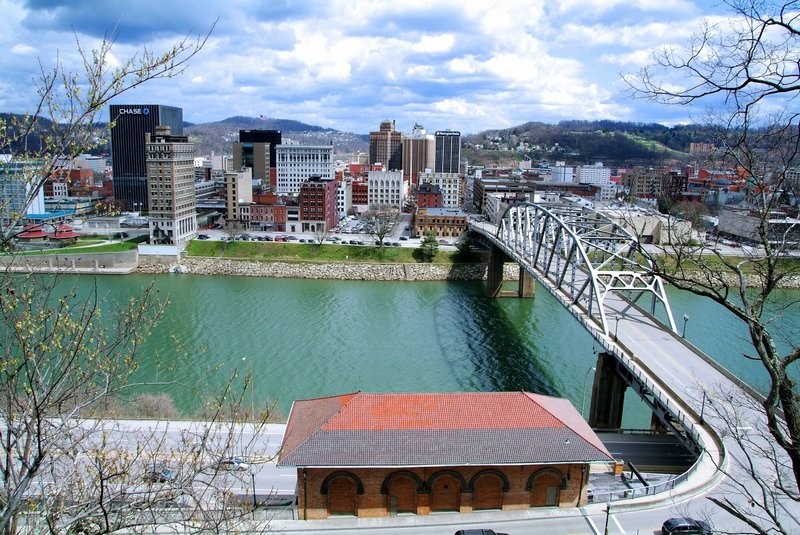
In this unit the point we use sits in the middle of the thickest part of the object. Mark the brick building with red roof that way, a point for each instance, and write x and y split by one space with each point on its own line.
380 454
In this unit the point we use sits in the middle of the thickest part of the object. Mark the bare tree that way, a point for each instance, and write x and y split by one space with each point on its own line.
66 466
381 222
748 74
63 122
321 232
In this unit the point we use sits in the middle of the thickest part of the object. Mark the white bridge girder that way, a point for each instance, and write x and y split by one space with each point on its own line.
584 255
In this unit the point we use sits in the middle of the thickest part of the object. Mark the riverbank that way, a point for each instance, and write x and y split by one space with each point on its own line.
356 271
323 270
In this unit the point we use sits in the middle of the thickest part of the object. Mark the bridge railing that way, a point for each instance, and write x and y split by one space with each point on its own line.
662 394
676 409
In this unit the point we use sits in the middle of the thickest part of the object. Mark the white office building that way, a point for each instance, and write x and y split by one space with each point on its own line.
295 164
386 188
450 184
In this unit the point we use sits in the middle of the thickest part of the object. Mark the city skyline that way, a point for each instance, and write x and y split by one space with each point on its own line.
350 65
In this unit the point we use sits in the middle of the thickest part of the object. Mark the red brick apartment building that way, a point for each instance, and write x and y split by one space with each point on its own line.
372 455
318 211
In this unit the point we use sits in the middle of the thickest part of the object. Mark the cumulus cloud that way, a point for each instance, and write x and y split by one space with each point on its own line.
349 64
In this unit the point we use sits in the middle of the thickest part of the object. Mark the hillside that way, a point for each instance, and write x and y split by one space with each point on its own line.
218 137
616 144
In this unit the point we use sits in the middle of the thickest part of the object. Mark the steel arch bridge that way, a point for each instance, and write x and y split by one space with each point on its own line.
582 255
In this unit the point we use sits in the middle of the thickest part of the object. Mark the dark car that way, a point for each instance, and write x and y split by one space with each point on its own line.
479 532
684 525
160 474
203 237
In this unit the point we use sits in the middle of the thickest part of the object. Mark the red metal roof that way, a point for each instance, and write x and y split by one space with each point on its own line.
429 429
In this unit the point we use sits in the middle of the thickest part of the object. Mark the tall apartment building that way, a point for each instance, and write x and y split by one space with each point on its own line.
256 149
170 187
128 157
318 210
386 147
419 153
448 151
296 164
451 186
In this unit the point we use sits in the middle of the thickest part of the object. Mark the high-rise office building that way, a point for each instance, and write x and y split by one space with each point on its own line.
256 150
170 186
385 146
128 158
298 163
418 153
448 151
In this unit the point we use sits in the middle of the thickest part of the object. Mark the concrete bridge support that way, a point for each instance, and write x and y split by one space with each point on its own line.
608 394
495 273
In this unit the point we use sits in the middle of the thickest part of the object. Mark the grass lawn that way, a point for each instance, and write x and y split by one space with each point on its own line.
312 252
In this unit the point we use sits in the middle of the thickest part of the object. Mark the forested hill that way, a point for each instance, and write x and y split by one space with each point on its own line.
586 142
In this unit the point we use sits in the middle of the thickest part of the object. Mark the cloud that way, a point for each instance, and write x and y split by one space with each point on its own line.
349 64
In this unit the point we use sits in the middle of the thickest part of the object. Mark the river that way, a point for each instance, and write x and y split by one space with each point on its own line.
310 338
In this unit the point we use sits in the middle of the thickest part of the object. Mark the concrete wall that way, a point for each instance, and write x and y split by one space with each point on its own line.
78 260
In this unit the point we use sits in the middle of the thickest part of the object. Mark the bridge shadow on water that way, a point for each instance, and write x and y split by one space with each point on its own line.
501 339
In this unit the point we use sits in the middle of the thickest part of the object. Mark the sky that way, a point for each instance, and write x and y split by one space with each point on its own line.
466 65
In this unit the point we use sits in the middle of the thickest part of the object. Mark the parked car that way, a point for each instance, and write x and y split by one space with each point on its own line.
203 237
160 474
233 463
403 238
684 525
479 532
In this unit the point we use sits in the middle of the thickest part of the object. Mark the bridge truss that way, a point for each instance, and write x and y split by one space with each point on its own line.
584 255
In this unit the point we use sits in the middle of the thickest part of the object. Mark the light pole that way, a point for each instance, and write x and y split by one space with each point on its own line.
253 477
703 407
685 320
585 377
608 512
616 327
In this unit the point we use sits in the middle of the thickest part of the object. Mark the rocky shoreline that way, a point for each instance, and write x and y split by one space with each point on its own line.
349 271
300 270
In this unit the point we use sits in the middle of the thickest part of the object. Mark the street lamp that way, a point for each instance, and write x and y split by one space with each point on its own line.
616 327
253 477
685 320
703 407
608 512
585 377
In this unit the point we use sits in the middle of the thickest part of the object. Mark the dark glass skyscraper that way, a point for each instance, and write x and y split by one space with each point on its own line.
448 151
128 156
256 150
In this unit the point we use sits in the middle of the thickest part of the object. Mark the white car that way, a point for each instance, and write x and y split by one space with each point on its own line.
233 463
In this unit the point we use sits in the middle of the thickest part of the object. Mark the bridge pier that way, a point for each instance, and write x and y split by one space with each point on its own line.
608 394
495 274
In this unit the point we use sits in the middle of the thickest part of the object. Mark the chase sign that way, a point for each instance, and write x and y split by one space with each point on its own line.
134 111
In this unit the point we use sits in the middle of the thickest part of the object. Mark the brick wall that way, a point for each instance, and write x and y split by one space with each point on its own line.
376 492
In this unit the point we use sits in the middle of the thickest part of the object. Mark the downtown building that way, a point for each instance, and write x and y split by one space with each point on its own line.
256 150
296 164
386 147
318 205
448 151
419 153
170 186
128 155
451 186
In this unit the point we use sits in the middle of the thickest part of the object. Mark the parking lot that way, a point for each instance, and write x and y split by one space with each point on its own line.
349 231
